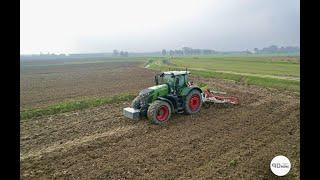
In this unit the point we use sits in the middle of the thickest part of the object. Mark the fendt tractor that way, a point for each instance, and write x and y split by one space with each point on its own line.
173 93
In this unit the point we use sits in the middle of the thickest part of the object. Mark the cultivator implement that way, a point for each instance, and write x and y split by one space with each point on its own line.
213 97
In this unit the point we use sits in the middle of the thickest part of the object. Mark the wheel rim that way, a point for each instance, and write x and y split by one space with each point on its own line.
163 113
194 102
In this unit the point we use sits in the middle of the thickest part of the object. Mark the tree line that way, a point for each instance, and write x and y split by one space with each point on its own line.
276 49
187 51
121 53
191 51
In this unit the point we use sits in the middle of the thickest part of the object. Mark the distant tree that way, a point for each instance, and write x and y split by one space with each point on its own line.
207 51
171 52
115 52
196 51
187 50
124 53
270 49
164 52
273 48
178 52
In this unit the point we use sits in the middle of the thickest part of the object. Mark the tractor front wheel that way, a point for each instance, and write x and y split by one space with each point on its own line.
159 112
193 102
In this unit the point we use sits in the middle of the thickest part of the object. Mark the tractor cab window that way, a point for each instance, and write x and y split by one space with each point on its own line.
169 79
159 79
180 80
164 78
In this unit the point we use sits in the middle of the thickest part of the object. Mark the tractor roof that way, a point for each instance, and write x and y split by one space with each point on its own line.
176 72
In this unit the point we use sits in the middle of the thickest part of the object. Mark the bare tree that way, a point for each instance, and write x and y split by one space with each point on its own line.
171 52
164 52
115 52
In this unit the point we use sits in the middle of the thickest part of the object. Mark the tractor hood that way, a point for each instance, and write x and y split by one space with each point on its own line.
158 87
161 89
145 92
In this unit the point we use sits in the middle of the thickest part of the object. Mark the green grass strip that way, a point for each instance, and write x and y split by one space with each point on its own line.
282 84
267 82
75 105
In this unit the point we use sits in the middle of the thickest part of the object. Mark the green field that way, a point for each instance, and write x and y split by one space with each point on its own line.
281 72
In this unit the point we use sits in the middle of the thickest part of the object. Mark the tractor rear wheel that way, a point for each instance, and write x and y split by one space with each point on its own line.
193 102
159 112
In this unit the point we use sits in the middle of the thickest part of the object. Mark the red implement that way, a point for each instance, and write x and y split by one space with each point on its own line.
211 97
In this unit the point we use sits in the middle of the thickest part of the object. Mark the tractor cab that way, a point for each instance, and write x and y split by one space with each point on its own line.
176 80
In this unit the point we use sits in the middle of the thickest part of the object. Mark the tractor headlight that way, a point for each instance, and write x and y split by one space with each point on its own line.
142 103
143 97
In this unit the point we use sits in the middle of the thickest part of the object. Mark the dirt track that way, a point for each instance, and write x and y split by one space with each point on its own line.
236 143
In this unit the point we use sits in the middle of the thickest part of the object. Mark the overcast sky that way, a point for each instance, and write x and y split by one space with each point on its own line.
82 26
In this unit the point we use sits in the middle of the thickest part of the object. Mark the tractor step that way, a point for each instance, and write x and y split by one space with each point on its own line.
180 110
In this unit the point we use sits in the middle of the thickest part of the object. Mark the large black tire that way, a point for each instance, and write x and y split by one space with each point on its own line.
136 103
159 112
193 102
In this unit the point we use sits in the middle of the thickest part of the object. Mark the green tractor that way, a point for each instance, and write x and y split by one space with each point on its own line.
173 93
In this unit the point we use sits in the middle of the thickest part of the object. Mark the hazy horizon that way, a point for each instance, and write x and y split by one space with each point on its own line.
149 25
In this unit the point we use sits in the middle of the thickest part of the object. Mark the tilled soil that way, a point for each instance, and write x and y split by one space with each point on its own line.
45 85
219 142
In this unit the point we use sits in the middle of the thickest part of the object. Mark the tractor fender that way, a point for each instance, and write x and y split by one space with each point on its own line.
168 101
185 91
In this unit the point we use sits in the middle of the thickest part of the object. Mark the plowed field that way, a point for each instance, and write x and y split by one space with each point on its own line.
49 83
217 143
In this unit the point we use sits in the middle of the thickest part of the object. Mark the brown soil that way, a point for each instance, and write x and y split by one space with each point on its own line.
45 85
217 143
